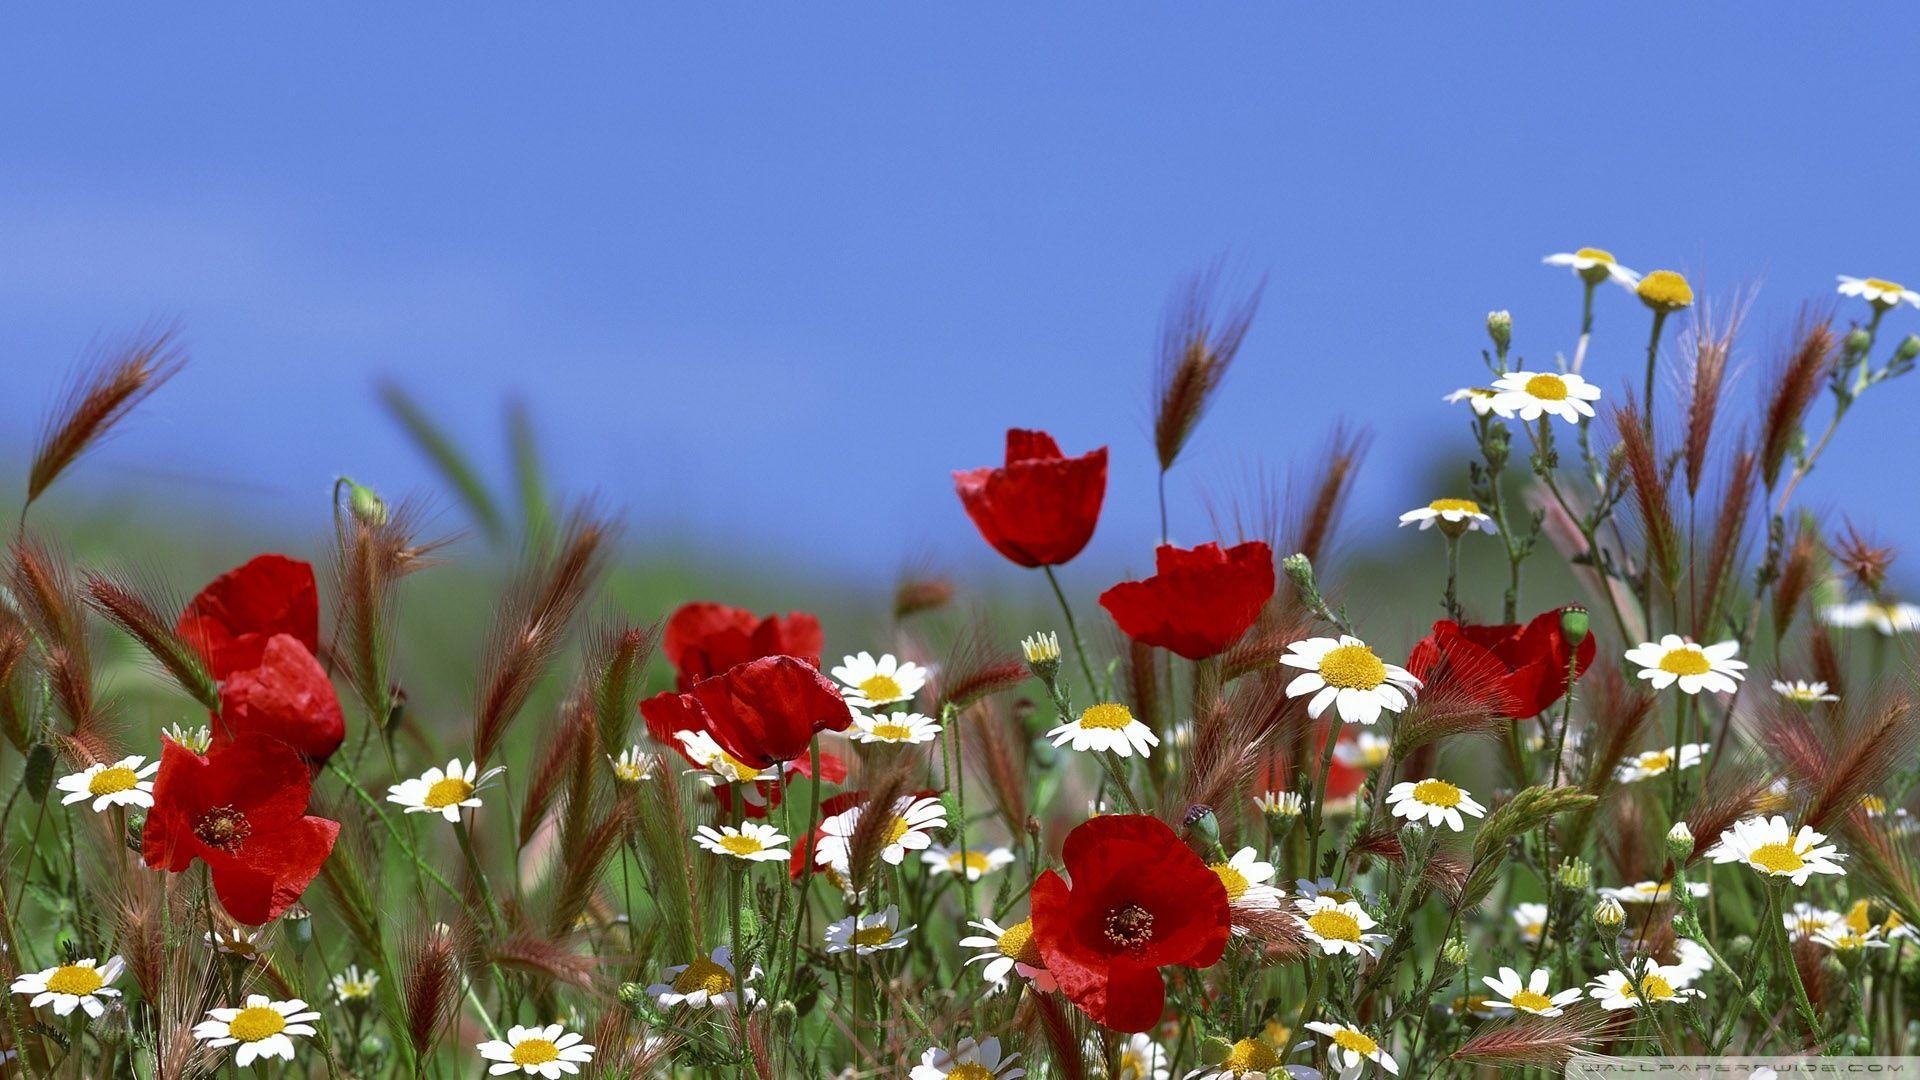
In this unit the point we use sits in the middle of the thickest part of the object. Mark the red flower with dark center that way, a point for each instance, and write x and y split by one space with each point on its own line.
286 696
1199 601
704 639
1140 900
231 621
761 712
1534 659
1039 509
242 810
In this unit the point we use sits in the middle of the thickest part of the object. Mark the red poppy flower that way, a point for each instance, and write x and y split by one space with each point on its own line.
1526 665
286 695
1140 900
242 810
233 618
1199 601
1039 509
761 712
703 639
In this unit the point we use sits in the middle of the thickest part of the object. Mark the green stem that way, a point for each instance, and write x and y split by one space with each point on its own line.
1073 631
1653 356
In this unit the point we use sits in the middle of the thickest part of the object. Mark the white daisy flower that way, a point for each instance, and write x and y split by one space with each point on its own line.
1845 939
1802 692
83 984
716 766
195 739
1251 1058
1533 394
1280 803
1352 1048
634 765
537 1051
1365 750
1774 849
1691 960
1246 880
1480 397
1651 892
974 864
1695 667
1338 927
1878 291
1106 726
1594 265
751 842
1656 985
1344 673
1531 996
968 1060
1315 889
127 782
1859 919
902 728
353 986
1656 762
263 1028
1008 949
1531 918
443 791
1140 1058
914 818
1806 920
708 982
1041 648
1436 800
868 934
1887 618
871 683
1454 516
236 941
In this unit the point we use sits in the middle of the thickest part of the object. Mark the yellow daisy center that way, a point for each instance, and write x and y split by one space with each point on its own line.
1595 254
1776 858
971 862
1654 761
741 844
1235 881
1665 289
703 974
451 791
1354 1042
881 689
1859 917
896 829
628 771
892 732
1436 793
1463 506
534 1052
1883 285
728 765
1251 1055
1532 930
1527 999
76 979
1652 987
1685 662
1017 941
1335 926
1547 387
1352 667
1108 716
873 935
969 1071
255 1023
109 781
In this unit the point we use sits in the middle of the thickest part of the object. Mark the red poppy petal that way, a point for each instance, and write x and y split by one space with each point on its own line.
1026 445
768 710
167 842
1200 600
1040 509
287 696
259 776
268 874
234 616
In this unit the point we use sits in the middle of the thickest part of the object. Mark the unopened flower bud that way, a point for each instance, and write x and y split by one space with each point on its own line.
1042 651
1909 348
1679 841
631 994
1573 874
1574 624
1455 951
1608 914
785 1015
1203 830
1299 570
1858 340
137 832
366 504
1500 328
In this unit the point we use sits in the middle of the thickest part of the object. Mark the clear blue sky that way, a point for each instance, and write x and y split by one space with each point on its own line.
767 273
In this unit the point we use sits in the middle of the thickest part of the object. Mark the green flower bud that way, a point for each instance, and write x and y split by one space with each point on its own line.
1574 624
1214 1050
1909 348
1573 874
1500 328
1608 915
1454 953
1858 340
1679 843
366 505
1203 830
136 832
631 994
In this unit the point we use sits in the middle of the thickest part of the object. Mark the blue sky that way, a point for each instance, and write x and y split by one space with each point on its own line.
765 275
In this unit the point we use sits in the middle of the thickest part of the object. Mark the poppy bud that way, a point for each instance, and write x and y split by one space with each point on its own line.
1574 623
1500 328
1608 914
1679 843
136 832
39 774
366 506
1203 830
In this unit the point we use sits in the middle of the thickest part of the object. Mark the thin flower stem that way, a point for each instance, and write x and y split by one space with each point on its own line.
1073 631
1586 327
1653 356
1777 926
1452 601
1320 799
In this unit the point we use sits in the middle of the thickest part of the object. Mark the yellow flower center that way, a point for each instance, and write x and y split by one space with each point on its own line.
1436 793
873 935
1686 661
1655 761
631 772
1235 881
1859 917
1352 667
1653 987
1108 716
1527 999
1665 289
741 844
971 862
1464 506
729 766
1883 285
1354 1042
1335 926
77 979
1547 387
255 1023
452 791
1776 858
881 689
1017 941
896 829
703 974
1873 805
892 732
109 781
1595 254
1531 931
969 1071
1250 1055
534 1052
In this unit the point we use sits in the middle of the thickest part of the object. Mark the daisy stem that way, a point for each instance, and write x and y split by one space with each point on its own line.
1778 928
1653 354
1453 574
465 836
1586 327
806 840
1319 801
1073 631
